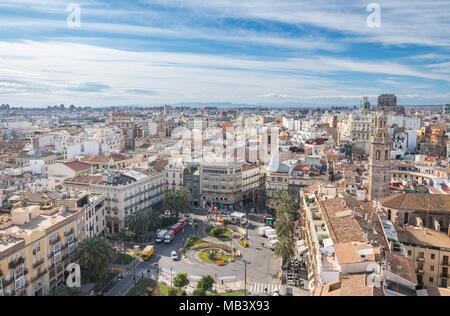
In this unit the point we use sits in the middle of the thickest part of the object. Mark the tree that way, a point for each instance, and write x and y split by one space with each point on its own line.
285 204
284 249
64 290
172 203
173 292
139 223
181 280
195 228
154 219
206 283
199 292
177 201
285 226
94 255
124 235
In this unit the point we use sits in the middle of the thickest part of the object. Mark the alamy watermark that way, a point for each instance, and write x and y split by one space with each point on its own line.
374 19
74 275
74 18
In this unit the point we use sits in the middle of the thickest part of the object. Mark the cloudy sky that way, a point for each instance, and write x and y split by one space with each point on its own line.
152 52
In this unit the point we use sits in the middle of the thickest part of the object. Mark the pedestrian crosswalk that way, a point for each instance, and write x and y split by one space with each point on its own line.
263 288
139 272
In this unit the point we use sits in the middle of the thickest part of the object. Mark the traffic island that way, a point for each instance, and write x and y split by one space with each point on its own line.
216 256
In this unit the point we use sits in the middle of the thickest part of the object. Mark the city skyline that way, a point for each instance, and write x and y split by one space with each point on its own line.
259 53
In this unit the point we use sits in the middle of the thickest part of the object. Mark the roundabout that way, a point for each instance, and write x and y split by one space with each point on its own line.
216 256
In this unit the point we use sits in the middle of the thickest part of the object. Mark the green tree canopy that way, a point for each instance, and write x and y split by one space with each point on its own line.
285 226
206 283
181 280
94 255
284 249
64 290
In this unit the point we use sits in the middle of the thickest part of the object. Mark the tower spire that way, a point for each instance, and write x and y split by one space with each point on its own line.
380 160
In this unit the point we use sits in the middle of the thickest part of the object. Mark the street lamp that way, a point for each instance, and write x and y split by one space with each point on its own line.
134 272
245 278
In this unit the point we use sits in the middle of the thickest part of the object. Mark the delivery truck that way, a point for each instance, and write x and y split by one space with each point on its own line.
272 243
170 235
161 234
148 251
262 230
270 232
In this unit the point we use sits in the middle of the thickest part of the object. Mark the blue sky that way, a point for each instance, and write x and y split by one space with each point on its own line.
286 52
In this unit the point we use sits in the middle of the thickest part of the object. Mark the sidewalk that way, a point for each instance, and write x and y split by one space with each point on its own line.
165 279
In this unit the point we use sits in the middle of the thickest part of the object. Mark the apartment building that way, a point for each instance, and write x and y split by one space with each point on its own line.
174 175
429 253
198 123
221 184
126 191
36 246
253 185
93 205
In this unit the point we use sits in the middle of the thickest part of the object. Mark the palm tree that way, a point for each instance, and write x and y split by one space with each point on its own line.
185 197
94 255
172 203
154 219
139 223
64 290
124 235
285 204
284 249
285 226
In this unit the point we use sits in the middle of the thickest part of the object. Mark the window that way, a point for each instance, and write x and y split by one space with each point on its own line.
433 256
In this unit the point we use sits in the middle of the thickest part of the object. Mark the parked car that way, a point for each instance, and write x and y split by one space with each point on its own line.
191 222
289 291
252 210
174 255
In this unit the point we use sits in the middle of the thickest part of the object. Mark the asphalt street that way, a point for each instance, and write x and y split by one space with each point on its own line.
262 265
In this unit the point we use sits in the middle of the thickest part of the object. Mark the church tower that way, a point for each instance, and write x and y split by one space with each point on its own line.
380 160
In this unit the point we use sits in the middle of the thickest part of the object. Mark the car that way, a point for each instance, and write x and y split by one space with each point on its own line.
191 222
252 210
288 291
174 255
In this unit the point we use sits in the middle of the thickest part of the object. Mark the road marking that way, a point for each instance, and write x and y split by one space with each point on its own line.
261 288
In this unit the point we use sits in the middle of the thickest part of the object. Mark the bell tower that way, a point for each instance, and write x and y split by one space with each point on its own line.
380 160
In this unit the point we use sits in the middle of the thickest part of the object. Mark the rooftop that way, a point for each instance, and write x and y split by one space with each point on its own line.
341 223
418 202
428 237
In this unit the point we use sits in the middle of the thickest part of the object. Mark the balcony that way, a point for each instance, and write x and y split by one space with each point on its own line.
444 275
38 263
51 255
420 271
16 263
54 241
445 263
40 275
7 283
70 232
421 259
